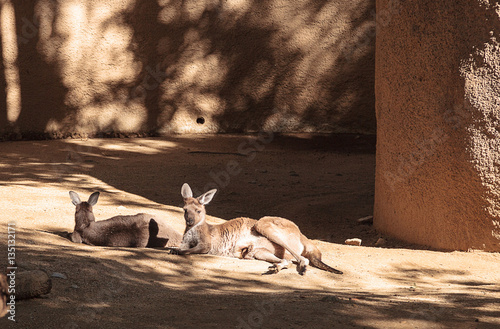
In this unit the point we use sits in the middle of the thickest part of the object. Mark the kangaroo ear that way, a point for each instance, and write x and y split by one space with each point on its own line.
186 191
93 198
207 197
74 198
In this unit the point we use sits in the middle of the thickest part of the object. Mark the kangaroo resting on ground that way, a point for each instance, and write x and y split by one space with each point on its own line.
141 230
272 239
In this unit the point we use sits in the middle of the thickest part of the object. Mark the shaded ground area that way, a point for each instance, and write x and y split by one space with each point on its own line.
323 183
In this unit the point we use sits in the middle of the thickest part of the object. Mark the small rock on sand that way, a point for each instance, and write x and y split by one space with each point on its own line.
353 242
365 220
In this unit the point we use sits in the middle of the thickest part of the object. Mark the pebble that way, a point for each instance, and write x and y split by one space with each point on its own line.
365 220
353 242
59 275
380 242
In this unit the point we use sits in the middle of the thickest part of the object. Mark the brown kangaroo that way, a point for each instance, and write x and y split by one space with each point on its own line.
141 230
272 239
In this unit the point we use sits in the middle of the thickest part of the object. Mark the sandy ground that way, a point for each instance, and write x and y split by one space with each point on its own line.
322 183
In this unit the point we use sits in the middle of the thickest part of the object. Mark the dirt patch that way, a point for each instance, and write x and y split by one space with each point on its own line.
322 183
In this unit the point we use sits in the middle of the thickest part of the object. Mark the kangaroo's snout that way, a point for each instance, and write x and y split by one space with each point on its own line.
189 218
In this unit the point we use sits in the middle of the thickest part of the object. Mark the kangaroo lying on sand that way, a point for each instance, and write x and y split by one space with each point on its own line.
272 239
141 230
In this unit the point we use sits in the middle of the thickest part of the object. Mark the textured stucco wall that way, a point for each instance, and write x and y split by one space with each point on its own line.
94 66
438 123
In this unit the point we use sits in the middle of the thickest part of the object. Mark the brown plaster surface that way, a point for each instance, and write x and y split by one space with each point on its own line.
437 92
91 67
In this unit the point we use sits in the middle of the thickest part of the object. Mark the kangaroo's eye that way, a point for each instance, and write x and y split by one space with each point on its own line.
198 211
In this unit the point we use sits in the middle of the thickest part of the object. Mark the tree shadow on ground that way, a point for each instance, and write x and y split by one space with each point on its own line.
128 287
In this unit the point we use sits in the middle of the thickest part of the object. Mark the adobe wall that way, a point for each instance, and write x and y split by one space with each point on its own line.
438 115
91 66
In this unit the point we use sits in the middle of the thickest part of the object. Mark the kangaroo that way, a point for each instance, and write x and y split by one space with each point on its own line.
272 239
141 230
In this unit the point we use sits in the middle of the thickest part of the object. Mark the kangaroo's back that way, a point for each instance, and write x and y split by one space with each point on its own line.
119 231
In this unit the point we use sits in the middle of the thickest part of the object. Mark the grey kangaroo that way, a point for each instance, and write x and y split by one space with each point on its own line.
141 230
272 239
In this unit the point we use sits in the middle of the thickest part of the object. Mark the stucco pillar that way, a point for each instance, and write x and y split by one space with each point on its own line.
437 95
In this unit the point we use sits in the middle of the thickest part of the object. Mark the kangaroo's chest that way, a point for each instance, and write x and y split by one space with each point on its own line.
191 238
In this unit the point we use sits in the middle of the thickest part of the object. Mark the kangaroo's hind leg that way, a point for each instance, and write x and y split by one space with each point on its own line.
267 256
286 234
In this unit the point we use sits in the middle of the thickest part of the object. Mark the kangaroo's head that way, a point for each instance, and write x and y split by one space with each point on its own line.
83 214
194 208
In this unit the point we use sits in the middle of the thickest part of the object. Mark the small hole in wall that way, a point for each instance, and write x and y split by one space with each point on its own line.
200 120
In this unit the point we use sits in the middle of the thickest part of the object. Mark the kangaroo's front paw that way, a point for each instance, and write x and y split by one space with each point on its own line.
273 269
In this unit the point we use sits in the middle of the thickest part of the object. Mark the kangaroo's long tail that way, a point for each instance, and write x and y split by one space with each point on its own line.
322 266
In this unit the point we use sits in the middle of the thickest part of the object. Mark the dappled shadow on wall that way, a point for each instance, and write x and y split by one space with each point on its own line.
194 66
